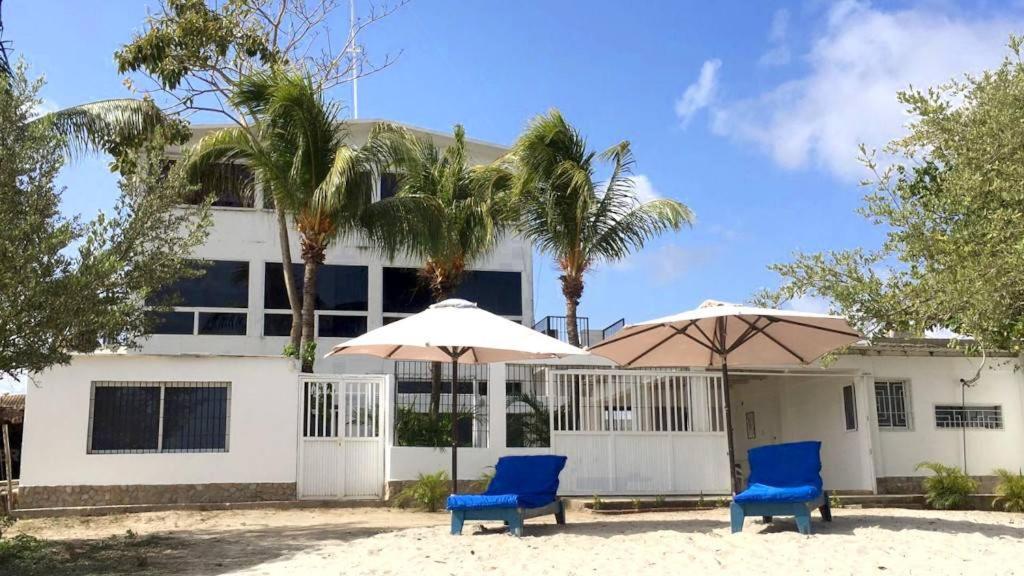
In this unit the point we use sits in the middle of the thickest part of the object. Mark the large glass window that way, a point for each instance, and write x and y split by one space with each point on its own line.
214 297
132 417
850 407
341 300
388 185
230 184
494 291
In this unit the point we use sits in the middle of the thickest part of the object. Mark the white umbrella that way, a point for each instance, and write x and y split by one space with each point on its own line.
717 335
457 331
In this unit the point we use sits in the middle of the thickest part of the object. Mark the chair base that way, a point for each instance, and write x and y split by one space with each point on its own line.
801 511
513 517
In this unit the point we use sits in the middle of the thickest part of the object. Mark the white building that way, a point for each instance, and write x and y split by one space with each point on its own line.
208 410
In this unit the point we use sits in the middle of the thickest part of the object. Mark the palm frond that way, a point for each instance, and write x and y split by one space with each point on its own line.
99 126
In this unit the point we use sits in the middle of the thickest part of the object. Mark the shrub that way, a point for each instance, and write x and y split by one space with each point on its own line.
637 504
480 484
597 503
1010 491
949 488
659 501
428 492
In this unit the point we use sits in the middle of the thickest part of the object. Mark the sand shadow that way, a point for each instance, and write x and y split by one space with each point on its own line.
848 524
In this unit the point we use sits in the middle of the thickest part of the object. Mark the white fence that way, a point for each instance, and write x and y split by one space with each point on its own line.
639 432
341 431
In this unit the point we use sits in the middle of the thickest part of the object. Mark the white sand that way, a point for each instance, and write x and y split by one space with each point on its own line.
387 542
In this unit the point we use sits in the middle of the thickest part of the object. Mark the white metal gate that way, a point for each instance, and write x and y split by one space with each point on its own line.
341 436
639 432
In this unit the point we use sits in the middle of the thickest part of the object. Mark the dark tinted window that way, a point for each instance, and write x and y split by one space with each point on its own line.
388 185
497 292
339 288
195 418
171 322
222 323
341 326
850 407
125 418
224 285
230 184
277 324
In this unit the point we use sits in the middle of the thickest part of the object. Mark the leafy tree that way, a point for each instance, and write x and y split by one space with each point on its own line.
71 286
195 54
952 205
575 218
444 212
300 150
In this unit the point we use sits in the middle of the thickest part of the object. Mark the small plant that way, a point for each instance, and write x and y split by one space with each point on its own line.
596 504
659 501
637 504
428 492
5 523
835 501
722 502
1010 491
949 488
701 503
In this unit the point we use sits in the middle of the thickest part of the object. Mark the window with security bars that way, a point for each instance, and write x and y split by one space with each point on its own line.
141 417
423 419
892 402
959 416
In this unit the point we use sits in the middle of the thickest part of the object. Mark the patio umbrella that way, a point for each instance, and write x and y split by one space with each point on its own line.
456 331
717 335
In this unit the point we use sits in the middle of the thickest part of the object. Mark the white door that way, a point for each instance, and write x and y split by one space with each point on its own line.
341 436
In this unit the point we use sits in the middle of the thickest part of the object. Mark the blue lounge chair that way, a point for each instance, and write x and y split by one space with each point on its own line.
785 480
523 487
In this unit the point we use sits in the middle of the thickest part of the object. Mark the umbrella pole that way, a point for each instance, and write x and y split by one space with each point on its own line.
455 428
733 482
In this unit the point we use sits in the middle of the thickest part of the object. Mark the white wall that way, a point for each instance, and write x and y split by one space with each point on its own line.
936 380
263 425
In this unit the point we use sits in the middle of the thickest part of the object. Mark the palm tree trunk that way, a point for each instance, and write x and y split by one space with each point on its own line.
308 312
572 289
295 337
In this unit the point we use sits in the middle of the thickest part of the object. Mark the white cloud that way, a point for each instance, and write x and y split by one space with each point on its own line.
644 189
11 385
778 54
856 66
780 25
699 94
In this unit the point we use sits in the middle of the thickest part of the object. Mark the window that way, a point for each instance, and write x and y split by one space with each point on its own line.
494 291
988 417
388 185
230 184
892 400
850 407
219 297
342 296
137 417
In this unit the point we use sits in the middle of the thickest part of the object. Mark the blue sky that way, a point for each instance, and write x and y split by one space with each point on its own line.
749 112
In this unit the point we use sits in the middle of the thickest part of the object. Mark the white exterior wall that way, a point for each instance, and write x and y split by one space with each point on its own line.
262 441
251 235
936 380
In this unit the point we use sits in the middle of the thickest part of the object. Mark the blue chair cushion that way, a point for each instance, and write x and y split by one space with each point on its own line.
787 494
487 501
519 482
786 465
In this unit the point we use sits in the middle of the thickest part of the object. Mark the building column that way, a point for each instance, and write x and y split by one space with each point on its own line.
497 433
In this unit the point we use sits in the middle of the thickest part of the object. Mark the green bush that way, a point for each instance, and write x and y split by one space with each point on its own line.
949 488
480 484
428 492
1010 491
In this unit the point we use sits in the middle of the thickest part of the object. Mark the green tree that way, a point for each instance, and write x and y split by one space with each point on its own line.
195 54
300 150
952 205
569 214
71 286
445 212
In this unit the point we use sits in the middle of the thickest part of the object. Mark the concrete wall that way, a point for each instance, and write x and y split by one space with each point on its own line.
936 380
262 429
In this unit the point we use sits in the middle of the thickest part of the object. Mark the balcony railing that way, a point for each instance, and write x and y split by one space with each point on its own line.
556 327
612 328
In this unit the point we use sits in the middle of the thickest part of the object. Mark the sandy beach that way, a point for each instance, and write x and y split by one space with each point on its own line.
381 542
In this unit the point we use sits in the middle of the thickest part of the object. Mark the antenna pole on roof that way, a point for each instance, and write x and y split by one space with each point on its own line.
355 54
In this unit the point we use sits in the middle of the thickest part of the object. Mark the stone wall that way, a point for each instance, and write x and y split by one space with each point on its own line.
914 484
120 495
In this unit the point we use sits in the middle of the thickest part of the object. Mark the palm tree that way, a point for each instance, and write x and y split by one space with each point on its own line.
444 212
298 151
580 221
